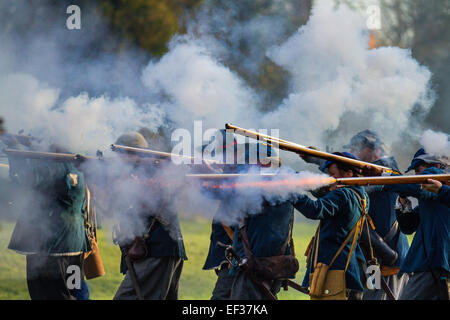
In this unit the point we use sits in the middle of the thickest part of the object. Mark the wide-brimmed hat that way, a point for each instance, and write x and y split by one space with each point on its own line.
342 154
421 156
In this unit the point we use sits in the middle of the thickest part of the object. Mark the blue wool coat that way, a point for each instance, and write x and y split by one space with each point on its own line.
53 219
444 195
430 220
216 254
382 212
161 243
338 212
224 214
267 231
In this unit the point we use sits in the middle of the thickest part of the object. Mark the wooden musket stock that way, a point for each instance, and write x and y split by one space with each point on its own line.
297 148
372 181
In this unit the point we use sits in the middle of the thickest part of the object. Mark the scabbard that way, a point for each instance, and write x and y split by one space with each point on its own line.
296 286
386 289
134 278
382 251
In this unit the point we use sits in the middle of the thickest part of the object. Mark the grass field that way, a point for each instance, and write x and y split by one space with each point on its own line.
195 283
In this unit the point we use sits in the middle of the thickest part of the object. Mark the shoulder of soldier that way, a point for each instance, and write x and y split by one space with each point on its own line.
343 193
354 191
387 161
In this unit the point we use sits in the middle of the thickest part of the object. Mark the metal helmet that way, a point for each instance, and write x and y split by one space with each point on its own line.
366 138
132 139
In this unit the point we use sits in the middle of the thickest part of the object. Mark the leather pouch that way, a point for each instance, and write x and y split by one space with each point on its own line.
274 267
327 284
92 264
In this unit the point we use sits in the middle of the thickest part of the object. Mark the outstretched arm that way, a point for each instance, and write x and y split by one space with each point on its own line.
326 206
411 190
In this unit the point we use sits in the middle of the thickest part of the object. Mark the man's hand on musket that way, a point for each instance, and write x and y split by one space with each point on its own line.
370 171
432 185
308 158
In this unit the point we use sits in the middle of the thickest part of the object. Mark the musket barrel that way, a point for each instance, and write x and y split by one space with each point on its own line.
117 147
297 148
40 155
69 157
149 152
66 156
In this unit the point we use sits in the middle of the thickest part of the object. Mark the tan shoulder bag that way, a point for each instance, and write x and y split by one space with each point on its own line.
92 264
328 284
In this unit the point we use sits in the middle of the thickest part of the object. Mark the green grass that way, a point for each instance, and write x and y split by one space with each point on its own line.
195 283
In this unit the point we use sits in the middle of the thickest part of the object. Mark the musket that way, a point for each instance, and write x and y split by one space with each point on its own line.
160 154
134 279
46 155
142 152
67 156
357 181
299 149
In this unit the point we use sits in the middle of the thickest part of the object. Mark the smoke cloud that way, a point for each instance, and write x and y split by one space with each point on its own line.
437 143
84 100
339 86
198 87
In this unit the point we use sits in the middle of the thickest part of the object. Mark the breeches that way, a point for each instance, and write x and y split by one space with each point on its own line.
158 279
54 278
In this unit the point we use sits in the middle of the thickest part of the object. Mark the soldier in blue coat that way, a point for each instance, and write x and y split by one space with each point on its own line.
149 237
427 261
226 217
50 231
338 211
222 230
267 233
367 146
